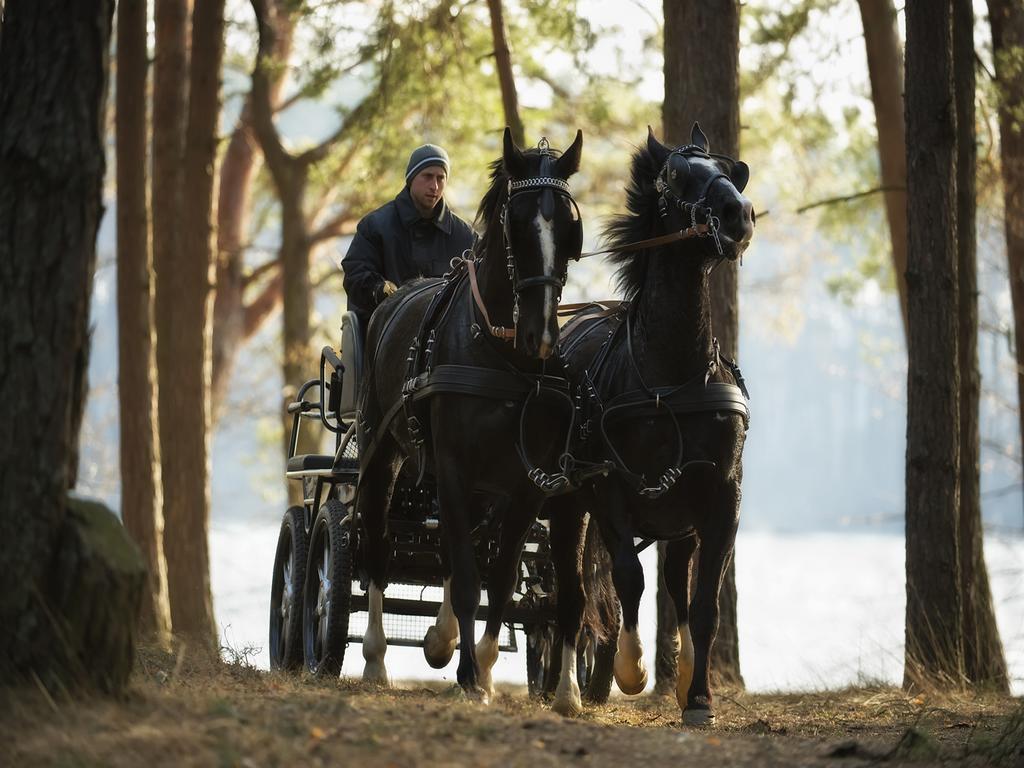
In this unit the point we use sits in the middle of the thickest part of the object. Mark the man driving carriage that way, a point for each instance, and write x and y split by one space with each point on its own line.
414 235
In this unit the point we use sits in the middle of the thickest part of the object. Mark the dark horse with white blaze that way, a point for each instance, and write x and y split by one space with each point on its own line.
661 409
472 403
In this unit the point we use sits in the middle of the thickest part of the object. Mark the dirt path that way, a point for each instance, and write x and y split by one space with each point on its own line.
236 716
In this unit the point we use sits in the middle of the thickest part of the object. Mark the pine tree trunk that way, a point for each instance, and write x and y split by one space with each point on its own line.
187 524
1007 20
290 175
235 320
702 85
70 581
503 63
141 490
934 627
885 68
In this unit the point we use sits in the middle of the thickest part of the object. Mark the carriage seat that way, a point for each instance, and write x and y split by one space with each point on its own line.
321 464
352 336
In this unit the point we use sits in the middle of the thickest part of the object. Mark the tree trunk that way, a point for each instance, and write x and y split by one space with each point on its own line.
290 174
235 320
187 524
141 491
885 68
704 88
503 63
51 179
934 626
1007 20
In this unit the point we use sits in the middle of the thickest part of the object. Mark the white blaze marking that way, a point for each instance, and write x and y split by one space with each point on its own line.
546 233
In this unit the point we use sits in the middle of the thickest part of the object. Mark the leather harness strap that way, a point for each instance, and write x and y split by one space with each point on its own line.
498 331
697 230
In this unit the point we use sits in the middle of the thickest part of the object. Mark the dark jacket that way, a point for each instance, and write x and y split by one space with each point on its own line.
394 243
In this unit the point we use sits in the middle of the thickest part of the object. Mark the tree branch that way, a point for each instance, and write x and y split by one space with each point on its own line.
276 155
263 306
849 198
259 272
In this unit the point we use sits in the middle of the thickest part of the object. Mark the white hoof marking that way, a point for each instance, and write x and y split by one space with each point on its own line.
630 672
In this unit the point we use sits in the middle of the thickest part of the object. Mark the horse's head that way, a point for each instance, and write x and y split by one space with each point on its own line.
700 188
542 231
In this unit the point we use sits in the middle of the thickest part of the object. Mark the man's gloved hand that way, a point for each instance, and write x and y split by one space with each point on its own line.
386 289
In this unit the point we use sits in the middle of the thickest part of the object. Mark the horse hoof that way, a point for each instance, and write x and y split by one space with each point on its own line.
376 674
477 695
699 718
567 706
437 651
631 681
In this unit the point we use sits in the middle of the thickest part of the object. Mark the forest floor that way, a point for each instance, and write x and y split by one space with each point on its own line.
181 714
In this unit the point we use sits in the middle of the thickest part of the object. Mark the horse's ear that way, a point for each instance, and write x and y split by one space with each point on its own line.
739 175
569 162
658 150
698 138
512 157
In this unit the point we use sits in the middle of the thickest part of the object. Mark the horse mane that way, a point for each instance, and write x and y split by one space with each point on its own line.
638 224
494 197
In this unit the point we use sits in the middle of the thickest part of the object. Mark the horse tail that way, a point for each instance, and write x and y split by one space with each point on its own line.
601 606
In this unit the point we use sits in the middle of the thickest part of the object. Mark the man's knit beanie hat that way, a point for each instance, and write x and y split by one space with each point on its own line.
425 156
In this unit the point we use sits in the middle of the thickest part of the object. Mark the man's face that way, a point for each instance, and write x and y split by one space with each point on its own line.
427 188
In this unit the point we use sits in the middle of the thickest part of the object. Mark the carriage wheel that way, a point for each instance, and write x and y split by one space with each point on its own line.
328 591
286 592
599 673
540 647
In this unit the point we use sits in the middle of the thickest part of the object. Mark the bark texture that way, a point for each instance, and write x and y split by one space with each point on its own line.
234 319
503 63
141 489
290 174
186 439
934 627
1007 21
51 176
702 85
885 69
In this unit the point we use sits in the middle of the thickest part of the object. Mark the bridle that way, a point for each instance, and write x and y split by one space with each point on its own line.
544 183
668 198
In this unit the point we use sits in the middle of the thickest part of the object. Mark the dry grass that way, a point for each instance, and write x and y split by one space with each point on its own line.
183 711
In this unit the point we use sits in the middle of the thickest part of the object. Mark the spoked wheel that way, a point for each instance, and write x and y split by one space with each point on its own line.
540 650
599 662
286 592
328 591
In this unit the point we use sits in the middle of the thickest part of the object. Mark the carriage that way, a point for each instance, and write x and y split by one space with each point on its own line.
318 600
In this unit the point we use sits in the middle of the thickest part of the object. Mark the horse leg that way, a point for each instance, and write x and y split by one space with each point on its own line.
628 578
716 545
501 584
677 579
567 534
372 504
442 637
465 579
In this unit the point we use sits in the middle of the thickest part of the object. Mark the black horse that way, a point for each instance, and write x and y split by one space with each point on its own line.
478 409
663 412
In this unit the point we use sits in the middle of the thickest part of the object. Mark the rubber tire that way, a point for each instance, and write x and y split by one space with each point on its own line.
599 684
288 583
324 638
540 649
